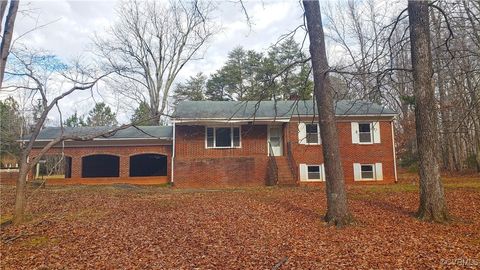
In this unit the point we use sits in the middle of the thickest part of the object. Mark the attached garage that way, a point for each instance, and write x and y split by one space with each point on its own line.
135 155
148 165
100 166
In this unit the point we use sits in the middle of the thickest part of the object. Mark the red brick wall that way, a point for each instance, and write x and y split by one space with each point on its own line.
350 153
124 152
196 166
220 172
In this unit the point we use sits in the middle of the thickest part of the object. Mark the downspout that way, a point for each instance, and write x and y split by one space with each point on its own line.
394 154
173 153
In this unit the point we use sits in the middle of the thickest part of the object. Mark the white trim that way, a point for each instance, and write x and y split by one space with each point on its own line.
276 119
303 172
281 139
394 154
371 132
319 138
321 171
354 129
301 133
373 172
173 155
231 137
376 169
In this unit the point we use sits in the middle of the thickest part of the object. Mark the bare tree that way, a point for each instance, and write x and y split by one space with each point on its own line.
7 33
149 46
432 199
337 207
31 73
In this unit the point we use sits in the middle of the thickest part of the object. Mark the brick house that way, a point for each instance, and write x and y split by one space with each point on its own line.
234 143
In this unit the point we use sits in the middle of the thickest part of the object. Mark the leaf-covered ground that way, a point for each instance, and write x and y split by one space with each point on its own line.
125 227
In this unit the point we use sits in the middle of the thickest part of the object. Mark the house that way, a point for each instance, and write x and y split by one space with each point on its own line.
235 143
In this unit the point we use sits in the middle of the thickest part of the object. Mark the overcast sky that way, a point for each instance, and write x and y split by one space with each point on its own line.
71 25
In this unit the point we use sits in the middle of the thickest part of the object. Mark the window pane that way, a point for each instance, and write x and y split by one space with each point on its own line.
312 133
312 138
367 171
364 127
223 137
367 175
365 137
236 137
209 137
313 172
311 128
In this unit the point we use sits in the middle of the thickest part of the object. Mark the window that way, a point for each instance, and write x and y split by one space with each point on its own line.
311 172
222 137
312 134
367 171
365 132
314 173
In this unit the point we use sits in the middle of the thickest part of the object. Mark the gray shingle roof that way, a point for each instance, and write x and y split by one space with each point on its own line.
139 132
271 109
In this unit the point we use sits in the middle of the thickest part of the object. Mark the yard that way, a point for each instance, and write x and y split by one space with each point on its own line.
122 226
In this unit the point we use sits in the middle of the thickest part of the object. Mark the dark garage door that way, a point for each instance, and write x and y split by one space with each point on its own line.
148 165
100 166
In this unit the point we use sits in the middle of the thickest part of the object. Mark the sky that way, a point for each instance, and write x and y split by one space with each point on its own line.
67 28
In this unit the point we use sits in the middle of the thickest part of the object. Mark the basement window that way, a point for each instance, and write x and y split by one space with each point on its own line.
367 171
222 137
314 173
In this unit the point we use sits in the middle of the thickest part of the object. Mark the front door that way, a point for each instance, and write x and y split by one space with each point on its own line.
275 140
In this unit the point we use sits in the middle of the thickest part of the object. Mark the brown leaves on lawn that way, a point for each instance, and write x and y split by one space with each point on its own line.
96 227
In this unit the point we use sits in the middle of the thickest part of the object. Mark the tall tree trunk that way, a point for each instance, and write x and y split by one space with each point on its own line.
20 192
432 199
7 37
337 207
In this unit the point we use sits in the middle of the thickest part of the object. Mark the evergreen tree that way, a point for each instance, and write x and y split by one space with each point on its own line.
141 115
75 121
10 127
193 89
101 115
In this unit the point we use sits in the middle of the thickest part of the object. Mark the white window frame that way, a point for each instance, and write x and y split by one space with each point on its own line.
373 172
371 132
319 139
231 137
320 170
304 175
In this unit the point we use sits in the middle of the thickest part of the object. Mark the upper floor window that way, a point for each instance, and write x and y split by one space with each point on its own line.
222 137
312 133
365 132
309 133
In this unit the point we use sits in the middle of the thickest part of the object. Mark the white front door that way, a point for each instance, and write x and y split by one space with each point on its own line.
275 140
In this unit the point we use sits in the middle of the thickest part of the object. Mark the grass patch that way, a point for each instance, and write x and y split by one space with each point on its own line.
86 215
39 241
453 184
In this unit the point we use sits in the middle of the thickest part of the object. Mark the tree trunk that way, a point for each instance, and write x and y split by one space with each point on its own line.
432 200
20 196
7 37
337 207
